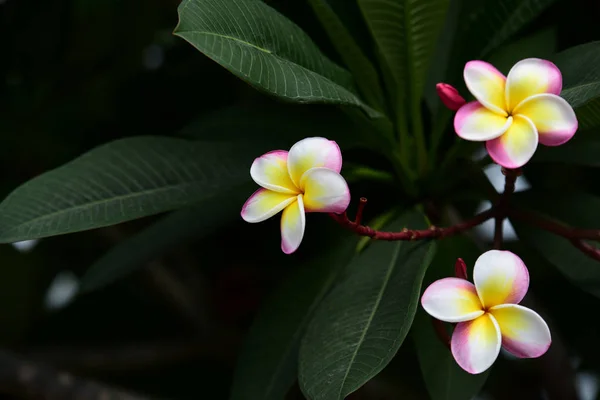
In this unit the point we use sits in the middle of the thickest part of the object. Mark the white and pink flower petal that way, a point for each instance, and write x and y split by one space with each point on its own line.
313 152
476 123
500 277
324 191
452 300
524 333
476 344
553 117
530 77
270 171
293 222
264 203
516 146
487 85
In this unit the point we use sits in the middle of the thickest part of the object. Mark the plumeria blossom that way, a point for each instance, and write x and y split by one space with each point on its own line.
305 179
488 313
513 113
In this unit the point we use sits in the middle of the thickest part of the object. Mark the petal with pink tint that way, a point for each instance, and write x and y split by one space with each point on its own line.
293 221
476 123
476 344
530 77
487 84
324 191
524 333
313 152
452 300
553 117
516 146
264 203
500 277
270 171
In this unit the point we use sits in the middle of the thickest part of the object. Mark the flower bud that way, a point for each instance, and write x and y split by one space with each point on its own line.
450 96
460 269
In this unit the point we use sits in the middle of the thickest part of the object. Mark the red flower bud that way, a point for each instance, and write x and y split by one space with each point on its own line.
450 96
460 269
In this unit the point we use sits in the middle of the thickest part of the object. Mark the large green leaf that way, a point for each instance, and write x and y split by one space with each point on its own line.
445 380
365 74
362 323
172 230
581 81
123 180
268 363
576 209
265 49
406 32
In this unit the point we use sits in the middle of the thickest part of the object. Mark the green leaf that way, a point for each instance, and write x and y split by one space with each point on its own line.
581 81
406 32
362 323
123 180
268 363
264 48
170 231
583 149
575 209
361 68
445 380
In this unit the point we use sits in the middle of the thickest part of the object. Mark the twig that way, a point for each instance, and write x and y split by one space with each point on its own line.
502 206
587 249
407 234
499 212
554 227
498 234
359 212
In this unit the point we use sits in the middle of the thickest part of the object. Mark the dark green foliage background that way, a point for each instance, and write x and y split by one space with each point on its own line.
72 77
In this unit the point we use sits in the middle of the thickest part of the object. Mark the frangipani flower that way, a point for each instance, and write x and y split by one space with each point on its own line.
512 114
487 313
305 179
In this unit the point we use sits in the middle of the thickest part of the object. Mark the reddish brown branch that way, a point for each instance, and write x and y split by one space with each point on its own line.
408 234
499 212
359 212
554 227
587 249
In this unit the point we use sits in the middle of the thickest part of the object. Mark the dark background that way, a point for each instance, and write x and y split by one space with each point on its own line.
78 73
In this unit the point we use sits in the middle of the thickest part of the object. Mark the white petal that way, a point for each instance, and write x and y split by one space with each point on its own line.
263 204
313 152
293 222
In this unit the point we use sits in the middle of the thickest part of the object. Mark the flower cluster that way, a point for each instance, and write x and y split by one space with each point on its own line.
512 114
